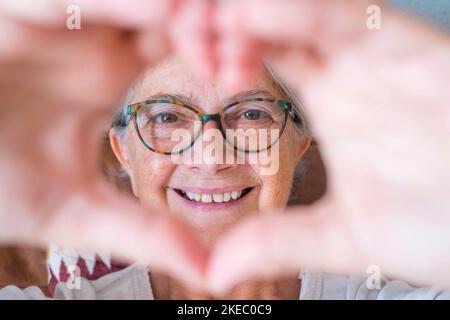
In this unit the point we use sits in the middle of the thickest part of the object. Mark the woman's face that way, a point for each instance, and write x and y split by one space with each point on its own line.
161 183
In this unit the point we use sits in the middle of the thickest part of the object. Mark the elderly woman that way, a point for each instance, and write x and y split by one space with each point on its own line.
215 192
258 138
162 139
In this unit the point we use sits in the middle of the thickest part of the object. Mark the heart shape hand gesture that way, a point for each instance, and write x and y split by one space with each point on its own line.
377 101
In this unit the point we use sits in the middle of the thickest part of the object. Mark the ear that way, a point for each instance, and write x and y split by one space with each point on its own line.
121 153
118 149
302 146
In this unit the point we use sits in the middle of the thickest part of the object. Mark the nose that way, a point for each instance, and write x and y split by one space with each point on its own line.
210 153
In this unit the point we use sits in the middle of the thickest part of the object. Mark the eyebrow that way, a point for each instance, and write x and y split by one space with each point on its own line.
243 95
177 97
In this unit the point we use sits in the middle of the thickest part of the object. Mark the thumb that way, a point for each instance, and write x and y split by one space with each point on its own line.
101 219
273 245
122 13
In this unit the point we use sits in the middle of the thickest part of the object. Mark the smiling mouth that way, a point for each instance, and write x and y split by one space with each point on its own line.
215 197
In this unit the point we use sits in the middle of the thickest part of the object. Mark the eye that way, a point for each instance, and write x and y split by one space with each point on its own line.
164 118
254 114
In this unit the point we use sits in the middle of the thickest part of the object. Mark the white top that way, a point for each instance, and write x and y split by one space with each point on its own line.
133 283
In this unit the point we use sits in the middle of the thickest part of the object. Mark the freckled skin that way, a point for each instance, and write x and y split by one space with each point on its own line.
152 173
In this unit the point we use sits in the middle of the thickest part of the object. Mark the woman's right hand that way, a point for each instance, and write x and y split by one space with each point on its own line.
58 88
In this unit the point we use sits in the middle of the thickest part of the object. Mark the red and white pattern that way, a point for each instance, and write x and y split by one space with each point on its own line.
91 265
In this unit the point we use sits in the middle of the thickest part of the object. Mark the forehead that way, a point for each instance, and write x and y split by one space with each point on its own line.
172 76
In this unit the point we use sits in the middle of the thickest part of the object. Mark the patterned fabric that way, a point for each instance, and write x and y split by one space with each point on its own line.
63 265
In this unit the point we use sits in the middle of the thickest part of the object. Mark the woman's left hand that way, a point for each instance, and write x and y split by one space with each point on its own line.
378 103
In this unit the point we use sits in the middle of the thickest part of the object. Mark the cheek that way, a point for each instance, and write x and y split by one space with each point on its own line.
276 186
151 173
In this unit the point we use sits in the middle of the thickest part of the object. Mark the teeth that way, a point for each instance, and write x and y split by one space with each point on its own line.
190 195
206 198
216 197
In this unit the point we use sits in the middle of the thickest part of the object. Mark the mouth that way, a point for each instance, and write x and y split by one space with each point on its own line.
217 197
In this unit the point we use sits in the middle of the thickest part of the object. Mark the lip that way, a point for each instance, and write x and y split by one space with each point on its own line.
212 205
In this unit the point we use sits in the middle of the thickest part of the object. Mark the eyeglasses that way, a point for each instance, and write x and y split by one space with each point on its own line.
251 125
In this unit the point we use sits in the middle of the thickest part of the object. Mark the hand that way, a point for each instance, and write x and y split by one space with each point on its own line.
58 89
378 103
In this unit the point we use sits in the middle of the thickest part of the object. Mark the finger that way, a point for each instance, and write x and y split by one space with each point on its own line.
124 13
152 46
102 220
91 68
271 246
240 62
193 38
312 21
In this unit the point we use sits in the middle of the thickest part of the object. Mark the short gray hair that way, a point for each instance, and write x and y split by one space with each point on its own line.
300 123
